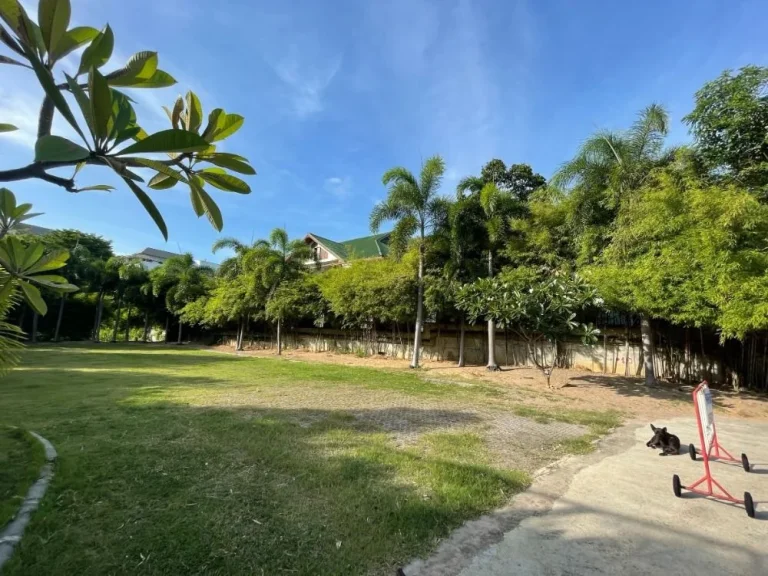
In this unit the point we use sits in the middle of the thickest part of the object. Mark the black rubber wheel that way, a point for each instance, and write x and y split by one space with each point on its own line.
745 462
692 452
677 488
749 504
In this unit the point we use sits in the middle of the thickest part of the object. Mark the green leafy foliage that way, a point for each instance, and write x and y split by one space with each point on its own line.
110 117
23 266
371 291
98 52
58 149
167 141
537 306
71 40
53 18
691 253
729 123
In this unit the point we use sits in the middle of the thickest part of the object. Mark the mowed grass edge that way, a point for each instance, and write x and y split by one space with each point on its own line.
21 458
168 463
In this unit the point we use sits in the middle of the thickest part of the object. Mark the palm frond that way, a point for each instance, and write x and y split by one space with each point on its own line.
648 132
229 242
382 212
439 209
10 335
402 233
399 174
431 177
469 184
278 238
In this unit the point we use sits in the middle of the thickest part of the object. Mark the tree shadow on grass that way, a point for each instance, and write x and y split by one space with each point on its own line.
635 387
161 487
112 355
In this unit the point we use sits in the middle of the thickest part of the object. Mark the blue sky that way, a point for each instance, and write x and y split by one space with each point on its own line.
335 92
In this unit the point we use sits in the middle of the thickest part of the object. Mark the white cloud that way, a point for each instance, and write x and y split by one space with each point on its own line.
340 187
307 82
439 55
21 110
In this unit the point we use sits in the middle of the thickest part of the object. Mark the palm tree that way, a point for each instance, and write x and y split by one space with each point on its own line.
238 271
416 208
498 207
134 294
607 170
282 261
149 302
485 211
130 275
103 278
234 265
182 281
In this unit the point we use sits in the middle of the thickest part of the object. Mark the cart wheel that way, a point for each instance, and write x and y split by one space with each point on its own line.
749 504
692 451
676 486
745 462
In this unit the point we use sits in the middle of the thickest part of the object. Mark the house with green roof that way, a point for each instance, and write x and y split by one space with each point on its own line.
328 253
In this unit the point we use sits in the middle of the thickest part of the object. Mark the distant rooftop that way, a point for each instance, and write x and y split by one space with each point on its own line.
156 253
372 246
153 257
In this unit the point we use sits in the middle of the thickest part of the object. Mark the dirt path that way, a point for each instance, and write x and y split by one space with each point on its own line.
573 388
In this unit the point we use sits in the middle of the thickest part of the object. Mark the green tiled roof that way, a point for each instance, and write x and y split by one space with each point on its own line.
365 247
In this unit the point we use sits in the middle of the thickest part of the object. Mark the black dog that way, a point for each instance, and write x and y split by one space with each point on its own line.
669 443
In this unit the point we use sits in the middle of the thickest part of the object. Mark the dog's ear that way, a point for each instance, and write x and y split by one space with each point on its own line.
653 427
664 429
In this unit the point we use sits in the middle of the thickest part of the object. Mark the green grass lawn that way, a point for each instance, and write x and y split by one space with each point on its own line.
180 461
21 457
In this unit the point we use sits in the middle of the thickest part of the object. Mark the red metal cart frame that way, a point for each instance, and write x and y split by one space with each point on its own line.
708 441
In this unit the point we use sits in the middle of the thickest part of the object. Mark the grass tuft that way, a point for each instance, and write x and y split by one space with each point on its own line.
21 457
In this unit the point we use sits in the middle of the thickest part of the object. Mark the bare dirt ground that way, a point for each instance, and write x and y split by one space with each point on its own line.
576 389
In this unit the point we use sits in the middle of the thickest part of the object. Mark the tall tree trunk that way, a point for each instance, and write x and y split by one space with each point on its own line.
117 317
461 343
146 326
626 350
23 316
96 318
647 337
419 306
179 339
279 338
33 335
240 330
492 366
167 326
128 322
59 317
99 312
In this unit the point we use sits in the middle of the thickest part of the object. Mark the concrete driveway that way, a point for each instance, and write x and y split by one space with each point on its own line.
614 512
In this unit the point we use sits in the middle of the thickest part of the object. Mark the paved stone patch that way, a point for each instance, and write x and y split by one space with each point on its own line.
613 512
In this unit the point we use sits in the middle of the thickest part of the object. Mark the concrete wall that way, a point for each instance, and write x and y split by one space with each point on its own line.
611 355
